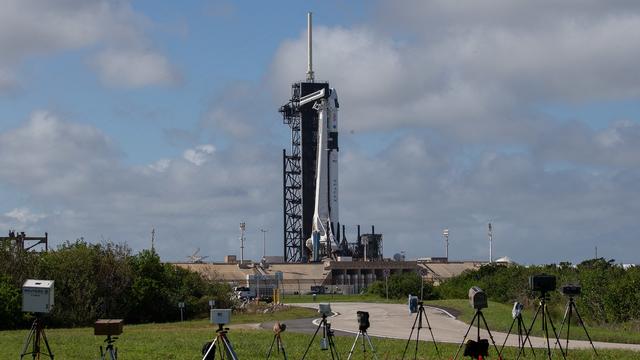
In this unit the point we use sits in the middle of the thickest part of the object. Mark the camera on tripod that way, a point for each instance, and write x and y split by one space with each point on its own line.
517 310
325 309
220 316
413 304
571 289
477 298
363 320
543 283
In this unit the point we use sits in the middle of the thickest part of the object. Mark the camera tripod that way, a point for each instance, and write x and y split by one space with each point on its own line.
521 337
571 306
475 351
35 334
546 321
418 320
327 339
277 340
110 353
225 349
363 333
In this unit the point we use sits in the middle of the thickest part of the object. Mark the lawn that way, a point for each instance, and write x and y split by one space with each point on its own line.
184 340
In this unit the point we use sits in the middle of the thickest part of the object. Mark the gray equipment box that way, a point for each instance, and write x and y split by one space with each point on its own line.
220 316
37 296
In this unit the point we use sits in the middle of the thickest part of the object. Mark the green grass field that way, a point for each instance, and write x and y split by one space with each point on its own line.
184 341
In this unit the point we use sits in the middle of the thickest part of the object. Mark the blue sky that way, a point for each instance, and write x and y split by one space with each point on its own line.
117 117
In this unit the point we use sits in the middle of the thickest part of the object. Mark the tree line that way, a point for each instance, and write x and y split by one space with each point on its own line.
104 281
610 293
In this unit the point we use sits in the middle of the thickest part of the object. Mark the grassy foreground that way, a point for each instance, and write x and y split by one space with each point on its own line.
184 341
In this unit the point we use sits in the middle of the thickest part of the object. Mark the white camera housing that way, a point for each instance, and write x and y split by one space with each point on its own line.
37 296
220 316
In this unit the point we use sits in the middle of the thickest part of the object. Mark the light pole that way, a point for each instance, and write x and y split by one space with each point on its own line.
445 232
264 242
242 228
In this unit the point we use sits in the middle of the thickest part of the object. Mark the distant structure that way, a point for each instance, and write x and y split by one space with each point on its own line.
490 234
312 230
24 242
195 258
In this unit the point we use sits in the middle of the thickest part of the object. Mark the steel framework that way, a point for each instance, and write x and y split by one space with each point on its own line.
292 180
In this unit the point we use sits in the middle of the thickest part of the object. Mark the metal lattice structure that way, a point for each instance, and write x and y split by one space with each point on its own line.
292 180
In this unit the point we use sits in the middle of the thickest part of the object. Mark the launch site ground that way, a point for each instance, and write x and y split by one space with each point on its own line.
251 335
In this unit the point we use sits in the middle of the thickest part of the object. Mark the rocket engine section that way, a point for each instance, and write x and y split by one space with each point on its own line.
325 217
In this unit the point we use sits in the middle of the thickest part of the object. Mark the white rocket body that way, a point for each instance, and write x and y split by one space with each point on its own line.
326 213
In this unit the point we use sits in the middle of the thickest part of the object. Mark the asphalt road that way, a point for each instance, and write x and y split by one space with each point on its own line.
394 321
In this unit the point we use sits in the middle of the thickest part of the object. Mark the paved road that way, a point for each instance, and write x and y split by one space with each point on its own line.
394 321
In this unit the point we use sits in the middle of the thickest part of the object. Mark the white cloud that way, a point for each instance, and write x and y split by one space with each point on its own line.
24 216
134 68
30 28
200 154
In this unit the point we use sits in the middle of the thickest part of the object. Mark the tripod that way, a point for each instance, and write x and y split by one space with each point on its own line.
35 334
279 345
476 352
418 320
110 352
225 350
571 306
327 339
363 333
521 328
542 309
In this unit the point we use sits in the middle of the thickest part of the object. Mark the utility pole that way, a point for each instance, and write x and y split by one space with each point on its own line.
490 244
445 232
242 228
264 242
153 240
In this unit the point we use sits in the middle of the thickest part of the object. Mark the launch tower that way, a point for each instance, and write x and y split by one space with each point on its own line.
310 169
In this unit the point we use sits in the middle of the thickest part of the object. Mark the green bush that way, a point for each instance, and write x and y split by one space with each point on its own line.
400 286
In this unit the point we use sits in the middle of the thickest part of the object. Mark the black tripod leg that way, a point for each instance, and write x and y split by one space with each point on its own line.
332 347
564 319
524 342
555 334
509 333
529 331
490 335
431 331
271 347
415 352
465 335
314 336
585 329
410 335
46 343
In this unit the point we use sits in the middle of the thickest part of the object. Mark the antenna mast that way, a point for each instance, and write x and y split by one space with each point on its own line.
445 232
242 227
153 240
310 76
490 243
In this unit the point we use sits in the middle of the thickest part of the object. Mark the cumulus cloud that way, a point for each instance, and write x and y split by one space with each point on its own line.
76 175
199 155
31 28
24 216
